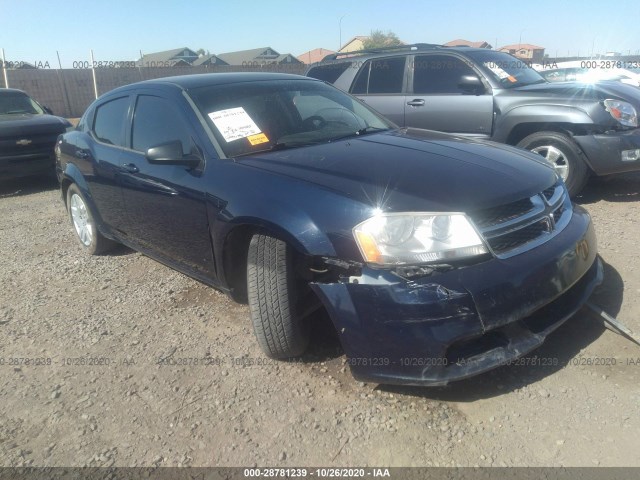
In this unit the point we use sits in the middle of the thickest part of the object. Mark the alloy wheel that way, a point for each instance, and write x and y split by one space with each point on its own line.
81 220
556 158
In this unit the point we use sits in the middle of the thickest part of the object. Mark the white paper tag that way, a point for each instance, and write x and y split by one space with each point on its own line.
234 123
495 68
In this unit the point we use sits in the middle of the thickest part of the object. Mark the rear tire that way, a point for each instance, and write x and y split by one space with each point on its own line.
563 154
84 224
273 292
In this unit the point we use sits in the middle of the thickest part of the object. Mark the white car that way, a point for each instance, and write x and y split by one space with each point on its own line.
588 71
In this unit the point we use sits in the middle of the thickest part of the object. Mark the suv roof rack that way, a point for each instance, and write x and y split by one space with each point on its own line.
411 47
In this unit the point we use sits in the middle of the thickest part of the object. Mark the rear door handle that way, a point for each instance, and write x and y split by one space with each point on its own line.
130 167
416 103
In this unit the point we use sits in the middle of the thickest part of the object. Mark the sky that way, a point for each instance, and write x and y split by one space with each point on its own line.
33 30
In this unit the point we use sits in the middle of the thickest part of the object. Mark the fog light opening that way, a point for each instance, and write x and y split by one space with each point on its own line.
631 155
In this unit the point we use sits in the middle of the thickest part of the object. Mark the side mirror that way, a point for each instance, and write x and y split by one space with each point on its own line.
471 84
47 110
170 153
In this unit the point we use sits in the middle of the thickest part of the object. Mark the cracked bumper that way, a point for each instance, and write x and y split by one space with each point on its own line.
456 324
604 151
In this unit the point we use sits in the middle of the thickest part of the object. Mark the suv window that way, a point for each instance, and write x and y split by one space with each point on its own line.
437 74
330 72
110 120
156 122
382 75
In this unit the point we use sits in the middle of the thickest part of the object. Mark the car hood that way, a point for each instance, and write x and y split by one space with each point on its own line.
411 169
25 124
583 91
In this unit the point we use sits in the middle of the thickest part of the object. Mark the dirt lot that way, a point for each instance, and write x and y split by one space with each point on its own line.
101 386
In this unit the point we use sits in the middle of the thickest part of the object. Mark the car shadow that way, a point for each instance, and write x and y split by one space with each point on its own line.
555 353
623 187
28 185
120 250
325 343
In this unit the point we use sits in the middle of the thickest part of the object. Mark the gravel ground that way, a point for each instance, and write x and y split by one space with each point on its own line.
98 357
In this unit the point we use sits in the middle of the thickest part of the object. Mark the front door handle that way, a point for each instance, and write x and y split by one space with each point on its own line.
416 103
130 167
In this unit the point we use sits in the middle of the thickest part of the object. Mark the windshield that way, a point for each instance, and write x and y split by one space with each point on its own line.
509 71
251 117
18 103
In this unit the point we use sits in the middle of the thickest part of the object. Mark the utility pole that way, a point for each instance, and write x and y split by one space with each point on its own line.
340 29
4 70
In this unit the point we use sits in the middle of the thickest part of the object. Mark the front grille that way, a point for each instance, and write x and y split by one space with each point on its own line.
519 237
521 225
548 193
493 216
39 144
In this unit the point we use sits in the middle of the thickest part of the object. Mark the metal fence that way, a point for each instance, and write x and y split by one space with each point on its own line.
68 92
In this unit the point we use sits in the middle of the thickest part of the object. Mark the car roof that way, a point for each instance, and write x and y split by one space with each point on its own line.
11 90
187 82
398 50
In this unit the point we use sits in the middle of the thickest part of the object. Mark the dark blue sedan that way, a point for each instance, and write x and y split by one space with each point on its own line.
436 257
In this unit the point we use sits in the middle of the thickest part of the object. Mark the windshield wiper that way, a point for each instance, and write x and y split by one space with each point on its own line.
357 133
277 146
542 80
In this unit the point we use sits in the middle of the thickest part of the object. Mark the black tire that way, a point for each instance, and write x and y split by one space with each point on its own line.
578 173
273 291
95 243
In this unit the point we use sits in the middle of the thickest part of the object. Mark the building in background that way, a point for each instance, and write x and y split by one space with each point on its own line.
459 42
353 45
178 57
314 56
208 60
525 51
258 56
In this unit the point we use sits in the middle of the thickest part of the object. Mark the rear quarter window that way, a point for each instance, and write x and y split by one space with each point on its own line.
109 122
329 72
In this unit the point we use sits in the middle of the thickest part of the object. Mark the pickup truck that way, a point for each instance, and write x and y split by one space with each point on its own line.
28 134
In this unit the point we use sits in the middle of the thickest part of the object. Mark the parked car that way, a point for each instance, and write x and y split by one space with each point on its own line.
580 129
28 134
436 257
588 71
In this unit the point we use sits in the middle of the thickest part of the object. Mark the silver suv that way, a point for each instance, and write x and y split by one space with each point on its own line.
580 129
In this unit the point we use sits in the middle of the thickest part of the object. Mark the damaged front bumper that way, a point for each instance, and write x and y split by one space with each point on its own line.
612 152
456 324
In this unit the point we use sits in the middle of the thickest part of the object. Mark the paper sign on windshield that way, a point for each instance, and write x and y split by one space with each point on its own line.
495 68
234 123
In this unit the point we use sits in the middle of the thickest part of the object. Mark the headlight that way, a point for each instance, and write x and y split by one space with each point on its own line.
623 112
414 238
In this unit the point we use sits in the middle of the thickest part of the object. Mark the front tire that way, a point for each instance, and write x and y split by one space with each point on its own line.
564 156
84 224
273 291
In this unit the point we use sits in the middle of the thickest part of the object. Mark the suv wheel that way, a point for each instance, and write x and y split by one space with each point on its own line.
82 219
563 154
273 291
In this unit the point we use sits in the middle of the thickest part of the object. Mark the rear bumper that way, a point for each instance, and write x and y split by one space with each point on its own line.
604 151
456 324
25 165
